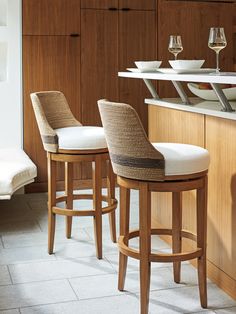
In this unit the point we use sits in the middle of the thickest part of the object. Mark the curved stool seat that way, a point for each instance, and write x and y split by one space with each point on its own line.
155 167
67 141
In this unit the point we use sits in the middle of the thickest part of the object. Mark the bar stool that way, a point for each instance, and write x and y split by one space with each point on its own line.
67 141
159 167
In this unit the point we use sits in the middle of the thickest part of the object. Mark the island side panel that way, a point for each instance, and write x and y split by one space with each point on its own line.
218 136
168 125
221 143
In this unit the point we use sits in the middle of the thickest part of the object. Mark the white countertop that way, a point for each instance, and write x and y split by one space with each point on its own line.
224 77
197 105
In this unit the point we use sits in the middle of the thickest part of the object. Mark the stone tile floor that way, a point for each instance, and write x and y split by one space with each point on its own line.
73 281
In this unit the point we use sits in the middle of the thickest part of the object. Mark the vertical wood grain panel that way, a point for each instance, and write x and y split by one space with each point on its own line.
220 141
137 41
192 20
137 4
99 61
50 63
168 125
101 4
51 17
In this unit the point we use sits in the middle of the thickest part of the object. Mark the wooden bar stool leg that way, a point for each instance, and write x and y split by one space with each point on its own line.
124 230
145 245
97 204
51 201
201 241
111 195
69 195
176 231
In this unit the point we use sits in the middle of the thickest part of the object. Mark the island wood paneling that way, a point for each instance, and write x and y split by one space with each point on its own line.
175 126
217 135
220 135
51 17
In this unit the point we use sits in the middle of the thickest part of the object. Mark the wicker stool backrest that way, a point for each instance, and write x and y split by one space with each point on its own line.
52 112
132 155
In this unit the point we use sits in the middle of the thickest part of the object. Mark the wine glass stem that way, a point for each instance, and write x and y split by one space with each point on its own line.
217 62
176 56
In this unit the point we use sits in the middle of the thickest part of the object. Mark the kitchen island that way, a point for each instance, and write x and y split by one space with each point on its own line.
201 123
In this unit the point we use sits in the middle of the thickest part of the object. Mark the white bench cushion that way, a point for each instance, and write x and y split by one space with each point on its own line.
183 159
16 170
81 138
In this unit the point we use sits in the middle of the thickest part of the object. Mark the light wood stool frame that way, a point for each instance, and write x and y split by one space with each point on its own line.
96 156
176 185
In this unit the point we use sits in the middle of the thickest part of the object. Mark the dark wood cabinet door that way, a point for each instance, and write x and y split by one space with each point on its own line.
99 61
137 4
192 20
51 17
137 41
99 4
50 63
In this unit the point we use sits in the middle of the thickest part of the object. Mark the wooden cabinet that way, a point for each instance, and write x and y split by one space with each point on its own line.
50 63
101 4
192 20
54 17
137 4
111 40
99 61
137 41
119 4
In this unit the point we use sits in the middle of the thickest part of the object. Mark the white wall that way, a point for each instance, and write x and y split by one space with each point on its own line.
11 111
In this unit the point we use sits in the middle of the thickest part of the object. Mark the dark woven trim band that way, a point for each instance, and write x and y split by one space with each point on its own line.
49 139
137 162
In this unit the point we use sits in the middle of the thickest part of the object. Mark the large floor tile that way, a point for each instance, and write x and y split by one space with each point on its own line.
17 227
14 311
186 300
25 254
230 310
40 238
14 296
124 304
5 278
59 269
133 264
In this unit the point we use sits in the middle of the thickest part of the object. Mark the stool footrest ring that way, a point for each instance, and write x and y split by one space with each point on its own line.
159 257
87 212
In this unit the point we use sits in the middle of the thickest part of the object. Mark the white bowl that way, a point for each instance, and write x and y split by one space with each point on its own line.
209 94
147 64
186 64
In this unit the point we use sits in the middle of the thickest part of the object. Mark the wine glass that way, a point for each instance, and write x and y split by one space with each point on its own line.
175 45
217 41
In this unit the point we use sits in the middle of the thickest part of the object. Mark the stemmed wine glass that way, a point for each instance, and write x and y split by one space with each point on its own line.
175 45
217 42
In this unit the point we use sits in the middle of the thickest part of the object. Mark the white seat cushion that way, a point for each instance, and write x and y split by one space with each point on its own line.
16 170
81 138
183 159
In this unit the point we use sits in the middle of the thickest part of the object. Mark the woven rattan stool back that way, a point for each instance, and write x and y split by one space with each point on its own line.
131 153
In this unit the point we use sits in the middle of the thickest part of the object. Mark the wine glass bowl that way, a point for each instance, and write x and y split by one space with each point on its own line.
175 45
217 42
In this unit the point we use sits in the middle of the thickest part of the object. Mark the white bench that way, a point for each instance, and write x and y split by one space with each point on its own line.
16 170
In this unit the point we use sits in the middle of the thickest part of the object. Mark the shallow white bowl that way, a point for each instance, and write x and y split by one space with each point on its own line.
186 64
147 64
209 94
